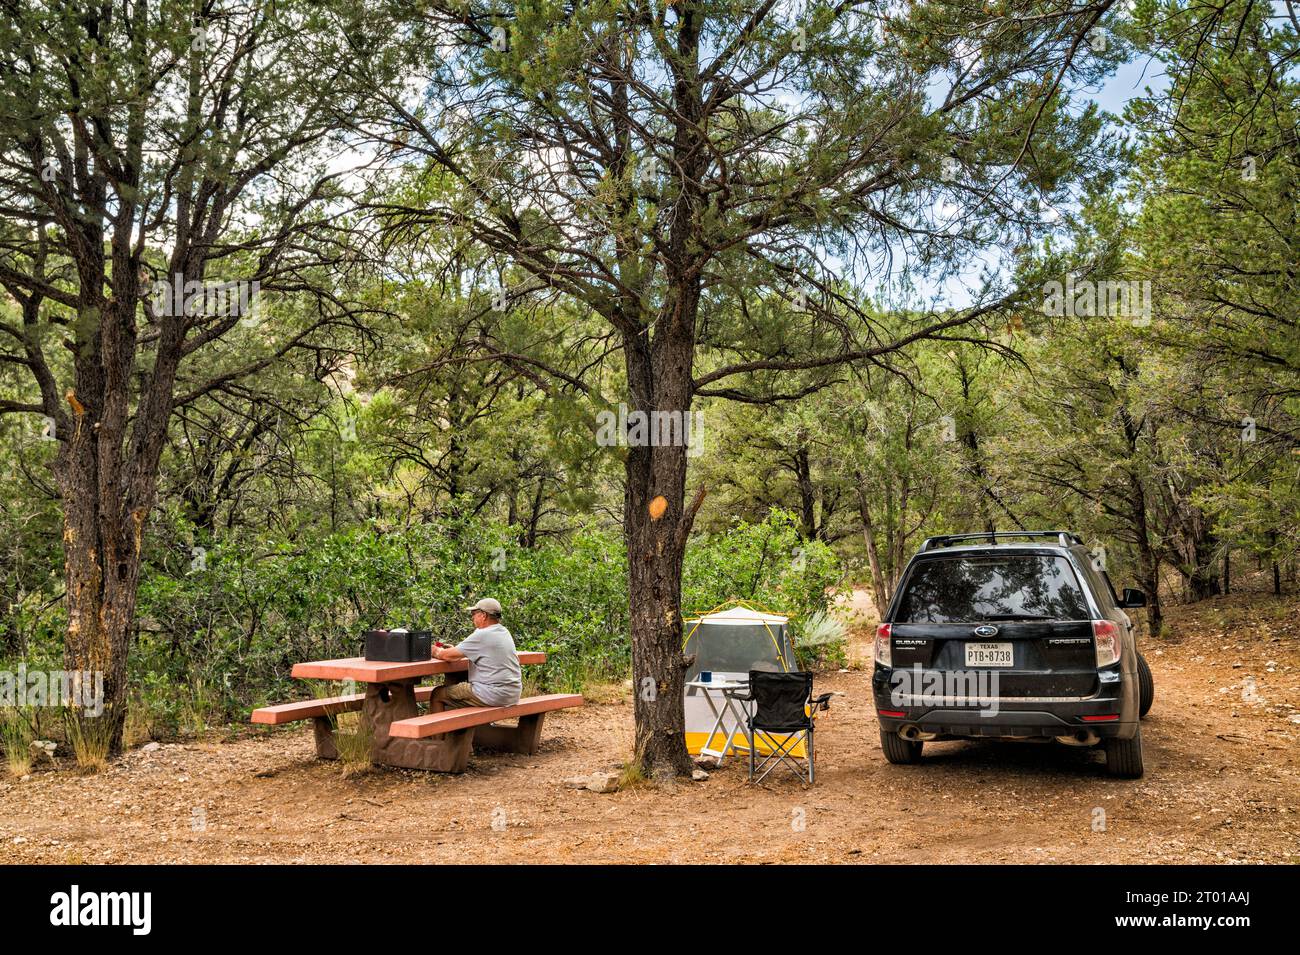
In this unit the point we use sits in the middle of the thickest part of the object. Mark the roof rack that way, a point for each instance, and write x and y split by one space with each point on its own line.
1064 538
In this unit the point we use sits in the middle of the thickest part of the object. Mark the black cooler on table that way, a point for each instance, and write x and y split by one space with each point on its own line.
399 646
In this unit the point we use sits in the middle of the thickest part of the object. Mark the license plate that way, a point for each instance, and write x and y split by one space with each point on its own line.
989 655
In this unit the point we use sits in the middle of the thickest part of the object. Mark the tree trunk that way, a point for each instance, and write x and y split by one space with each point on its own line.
971 442
512 494
1148 559
898 532
807 494
106 495
879 588
107 476
1277 570
656 524
102 570
1151 587
1202 581
1195 548
535 513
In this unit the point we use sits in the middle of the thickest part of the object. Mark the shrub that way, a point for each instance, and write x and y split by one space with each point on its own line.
768 565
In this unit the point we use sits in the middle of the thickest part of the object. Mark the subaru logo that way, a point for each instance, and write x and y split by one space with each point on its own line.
987 630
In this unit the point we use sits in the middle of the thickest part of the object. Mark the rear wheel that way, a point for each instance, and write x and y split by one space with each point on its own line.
899 750
1124 756
1146 686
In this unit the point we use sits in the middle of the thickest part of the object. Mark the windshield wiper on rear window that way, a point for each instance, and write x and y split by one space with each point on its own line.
1019 616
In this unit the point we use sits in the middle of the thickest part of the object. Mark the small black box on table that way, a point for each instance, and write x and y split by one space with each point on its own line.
399 646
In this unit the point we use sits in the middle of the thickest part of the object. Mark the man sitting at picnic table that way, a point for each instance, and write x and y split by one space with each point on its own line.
494 678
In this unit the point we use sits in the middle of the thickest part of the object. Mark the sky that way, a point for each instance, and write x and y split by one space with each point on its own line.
1129 82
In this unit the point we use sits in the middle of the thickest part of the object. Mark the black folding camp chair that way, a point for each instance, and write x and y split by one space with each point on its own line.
782 718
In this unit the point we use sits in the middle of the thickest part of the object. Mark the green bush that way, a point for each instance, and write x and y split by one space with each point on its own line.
221 635
767 565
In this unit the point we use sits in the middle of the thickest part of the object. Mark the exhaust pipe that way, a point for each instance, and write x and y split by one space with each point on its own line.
1080 738
913 734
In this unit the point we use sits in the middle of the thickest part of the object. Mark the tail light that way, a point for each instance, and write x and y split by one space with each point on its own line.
883 656
1105 637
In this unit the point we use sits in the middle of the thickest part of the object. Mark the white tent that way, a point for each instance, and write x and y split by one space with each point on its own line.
728 644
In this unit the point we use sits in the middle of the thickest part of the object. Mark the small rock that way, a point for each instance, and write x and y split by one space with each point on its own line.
603 782
699 775
19 840
150 747
577 782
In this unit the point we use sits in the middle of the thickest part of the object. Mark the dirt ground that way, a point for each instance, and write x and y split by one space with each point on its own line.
1222 781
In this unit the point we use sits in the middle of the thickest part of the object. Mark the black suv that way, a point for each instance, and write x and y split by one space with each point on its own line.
1015 640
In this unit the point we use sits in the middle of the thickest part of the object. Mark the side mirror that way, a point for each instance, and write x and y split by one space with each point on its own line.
1133 598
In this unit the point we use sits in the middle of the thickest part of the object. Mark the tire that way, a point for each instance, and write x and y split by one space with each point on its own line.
1124 756
1146 687
898 750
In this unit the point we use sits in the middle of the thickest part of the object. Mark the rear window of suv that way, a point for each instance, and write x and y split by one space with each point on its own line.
1005 587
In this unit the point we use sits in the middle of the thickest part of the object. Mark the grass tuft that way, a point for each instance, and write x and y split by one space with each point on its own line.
17 730
139 726
633 773
353 738
90 738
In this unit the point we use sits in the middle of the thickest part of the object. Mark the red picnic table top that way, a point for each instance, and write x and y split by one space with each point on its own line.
375 671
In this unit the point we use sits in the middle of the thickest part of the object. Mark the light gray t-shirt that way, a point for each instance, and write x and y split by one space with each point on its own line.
493 665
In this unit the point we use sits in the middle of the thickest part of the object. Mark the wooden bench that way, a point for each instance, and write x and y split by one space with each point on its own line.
322 708
523 738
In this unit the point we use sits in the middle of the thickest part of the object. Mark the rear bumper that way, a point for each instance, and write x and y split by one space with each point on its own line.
1012 717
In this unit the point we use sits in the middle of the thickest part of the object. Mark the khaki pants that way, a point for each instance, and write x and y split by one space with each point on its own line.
452 695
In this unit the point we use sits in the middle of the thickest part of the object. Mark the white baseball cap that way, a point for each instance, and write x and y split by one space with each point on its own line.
487 605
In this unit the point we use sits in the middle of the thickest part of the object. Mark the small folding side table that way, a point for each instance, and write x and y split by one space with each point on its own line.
729 719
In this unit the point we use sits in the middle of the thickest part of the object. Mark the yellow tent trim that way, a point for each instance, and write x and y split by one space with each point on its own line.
696 742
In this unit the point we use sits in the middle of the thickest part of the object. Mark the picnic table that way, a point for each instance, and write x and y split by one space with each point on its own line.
404 737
